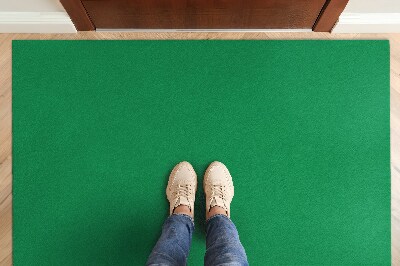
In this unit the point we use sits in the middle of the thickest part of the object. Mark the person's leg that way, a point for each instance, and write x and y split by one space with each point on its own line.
223 246
172 248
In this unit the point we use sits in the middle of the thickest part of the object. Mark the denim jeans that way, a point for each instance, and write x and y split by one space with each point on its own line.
222 242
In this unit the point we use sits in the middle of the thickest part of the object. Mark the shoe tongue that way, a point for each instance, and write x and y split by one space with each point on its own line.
182 201
217 201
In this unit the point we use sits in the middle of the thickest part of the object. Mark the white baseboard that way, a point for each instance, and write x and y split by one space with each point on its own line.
368 23
36 22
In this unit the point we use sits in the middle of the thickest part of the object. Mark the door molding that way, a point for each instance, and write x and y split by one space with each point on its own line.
78 15
329 15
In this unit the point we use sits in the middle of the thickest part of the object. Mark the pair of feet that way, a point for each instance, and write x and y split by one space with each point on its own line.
217 184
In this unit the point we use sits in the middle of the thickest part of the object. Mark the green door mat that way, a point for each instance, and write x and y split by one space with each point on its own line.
303 126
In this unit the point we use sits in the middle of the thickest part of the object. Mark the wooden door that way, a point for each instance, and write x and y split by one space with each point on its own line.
319 15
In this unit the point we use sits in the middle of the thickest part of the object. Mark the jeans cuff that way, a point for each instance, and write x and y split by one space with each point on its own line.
216 215
185 215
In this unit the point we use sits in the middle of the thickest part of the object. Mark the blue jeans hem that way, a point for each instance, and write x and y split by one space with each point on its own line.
186 216
216 215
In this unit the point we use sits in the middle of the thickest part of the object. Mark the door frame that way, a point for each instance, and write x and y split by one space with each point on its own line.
325 22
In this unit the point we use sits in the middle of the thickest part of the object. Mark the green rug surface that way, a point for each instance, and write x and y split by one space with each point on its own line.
303 126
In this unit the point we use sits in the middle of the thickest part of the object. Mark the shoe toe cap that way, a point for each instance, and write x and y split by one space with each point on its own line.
218 169
185 170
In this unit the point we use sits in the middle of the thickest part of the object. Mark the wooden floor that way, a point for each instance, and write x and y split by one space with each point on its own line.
5 112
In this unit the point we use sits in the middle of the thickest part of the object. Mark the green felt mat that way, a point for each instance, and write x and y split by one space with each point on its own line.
303 126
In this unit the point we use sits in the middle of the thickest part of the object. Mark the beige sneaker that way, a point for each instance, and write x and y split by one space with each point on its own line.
218 187
182 185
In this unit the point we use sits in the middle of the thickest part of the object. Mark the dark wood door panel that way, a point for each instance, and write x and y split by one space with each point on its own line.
204 14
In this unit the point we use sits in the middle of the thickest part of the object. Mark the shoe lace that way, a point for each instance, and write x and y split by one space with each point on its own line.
184 191
218 191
